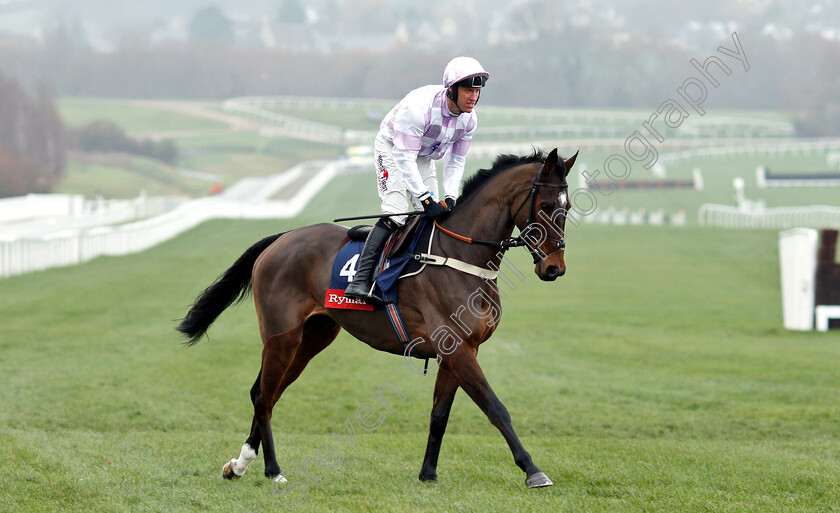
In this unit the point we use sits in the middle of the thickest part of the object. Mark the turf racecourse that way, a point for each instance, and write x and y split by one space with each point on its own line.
655 376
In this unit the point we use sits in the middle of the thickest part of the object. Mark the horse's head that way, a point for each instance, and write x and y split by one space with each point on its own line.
541 217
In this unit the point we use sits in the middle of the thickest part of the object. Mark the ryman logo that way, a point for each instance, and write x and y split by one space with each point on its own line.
335 299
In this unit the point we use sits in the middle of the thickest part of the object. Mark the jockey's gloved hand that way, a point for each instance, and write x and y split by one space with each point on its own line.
450 202
432 208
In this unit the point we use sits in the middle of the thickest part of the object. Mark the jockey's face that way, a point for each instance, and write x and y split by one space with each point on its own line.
467 98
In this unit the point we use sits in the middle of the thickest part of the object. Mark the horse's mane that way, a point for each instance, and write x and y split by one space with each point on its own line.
502 163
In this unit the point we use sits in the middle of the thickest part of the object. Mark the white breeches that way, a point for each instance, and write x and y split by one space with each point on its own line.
392 192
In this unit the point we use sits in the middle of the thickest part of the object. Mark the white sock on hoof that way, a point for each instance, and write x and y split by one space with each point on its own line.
280 479
246 456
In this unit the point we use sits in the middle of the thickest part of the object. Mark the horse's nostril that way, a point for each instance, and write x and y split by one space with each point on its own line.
553 272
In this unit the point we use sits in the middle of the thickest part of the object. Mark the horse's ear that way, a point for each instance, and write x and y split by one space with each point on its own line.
571 162
549 166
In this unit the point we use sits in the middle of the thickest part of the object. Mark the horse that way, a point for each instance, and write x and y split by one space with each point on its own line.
288 274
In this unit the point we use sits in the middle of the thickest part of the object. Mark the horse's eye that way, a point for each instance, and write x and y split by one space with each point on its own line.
546 207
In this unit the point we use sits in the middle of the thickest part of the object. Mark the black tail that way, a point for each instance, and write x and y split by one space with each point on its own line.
231 287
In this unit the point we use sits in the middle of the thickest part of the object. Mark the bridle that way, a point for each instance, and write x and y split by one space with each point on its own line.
529 224
520 240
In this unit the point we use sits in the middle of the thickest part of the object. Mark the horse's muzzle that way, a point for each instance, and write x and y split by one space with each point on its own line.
552 272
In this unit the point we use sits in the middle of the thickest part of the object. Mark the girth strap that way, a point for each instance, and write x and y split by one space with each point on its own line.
401 332
487 274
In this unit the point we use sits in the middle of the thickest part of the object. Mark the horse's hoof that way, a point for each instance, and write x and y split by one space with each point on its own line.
538 480
428 478
279 479
227 470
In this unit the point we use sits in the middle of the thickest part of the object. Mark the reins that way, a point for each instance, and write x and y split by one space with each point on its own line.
519 240
510 242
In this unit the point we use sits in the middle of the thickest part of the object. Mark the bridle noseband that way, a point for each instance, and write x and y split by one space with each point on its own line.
519 240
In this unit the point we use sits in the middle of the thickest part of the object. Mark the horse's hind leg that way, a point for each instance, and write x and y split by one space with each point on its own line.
445 388
317 333
237 466
277 356
278 353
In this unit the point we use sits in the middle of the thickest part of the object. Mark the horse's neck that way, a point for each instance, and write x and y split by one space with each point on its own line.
486 216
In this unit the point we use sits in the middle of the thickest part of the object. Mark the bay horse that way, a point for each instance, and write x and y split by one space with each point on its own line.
289 274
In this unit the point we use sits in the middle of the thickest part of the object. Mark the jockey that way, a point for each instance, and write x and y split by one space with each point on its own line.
430 123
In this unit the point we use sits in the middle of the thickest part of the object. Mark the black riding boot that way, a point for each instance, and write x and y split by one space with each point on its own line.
361 286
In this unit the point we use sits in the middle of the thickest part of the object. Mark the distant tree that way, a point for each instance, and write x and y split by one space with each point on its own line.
48 135
17 176
210 23
32 141
105 136
816 93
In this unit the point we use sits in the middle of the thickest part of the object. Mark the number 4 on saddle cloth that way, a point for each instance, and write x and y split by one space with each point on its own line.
397 261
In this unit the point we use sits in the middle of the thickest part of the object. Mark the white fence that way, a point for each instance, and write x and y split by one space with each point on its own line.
24 254
776 218
757 148
34 206
625 216
37 214
286 125
701 129
31 207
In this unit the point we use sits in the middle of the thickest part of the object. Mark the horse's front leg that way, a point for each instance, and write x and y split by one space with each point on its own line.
463 366
445 388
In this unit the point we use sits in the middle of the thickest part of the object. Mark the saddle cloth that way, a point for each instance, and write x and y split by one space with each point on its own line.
397 262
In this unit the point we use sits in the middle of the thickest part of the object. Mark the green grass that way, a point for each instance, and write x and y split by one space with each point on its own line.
253 142
231 167
124 176
654 376
236 156
242 142
134 119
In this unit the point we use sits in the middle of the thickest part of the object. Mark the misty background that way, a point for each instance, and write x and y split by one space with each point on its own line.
540 53
585 53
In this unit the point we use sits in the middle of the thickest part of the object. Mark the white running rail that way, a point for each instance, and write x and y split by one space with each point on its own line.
775 218
20 254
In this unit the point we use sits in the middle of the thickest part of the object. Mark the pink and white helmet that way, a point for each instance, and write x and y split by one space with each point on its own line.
462 68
